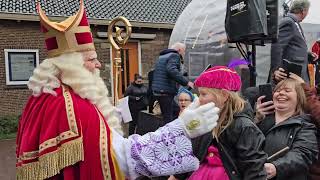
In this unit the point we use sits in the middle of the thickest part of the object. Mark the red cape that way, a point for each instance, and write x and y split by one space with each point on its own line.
64 137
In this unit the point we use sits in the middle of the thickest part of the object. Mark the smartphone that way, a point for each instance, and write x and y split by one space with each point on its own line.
291 67
265 90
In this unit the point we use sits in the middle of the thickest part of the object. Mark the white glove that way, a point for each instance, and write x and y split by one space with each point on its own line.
198 120
114 121
195 103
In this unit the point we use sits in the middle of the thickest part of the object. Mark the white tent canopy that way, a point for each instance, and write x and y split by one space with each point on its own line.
201 28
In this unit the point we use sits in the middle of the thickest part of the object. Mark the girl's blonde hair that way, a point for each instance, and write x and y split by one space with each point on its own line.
234 104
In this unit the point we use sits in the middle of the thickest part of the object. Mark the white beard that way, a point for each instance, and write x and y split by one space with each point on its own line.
88 85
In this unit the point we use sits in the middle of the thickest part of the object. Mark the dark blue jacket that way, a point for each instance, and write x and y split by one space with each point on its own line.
167 73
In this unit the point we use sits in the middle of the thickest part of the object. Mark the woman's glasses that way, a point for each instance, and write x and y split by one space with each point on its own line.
184 100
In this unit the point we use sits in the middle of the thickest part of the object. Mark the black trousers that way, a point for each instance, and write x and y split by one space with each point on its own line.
166 106
135 110
132 127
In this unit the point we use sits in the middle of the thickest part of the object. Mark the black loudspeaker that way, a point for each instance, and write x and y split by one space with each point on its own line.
272 22
246 20
252 21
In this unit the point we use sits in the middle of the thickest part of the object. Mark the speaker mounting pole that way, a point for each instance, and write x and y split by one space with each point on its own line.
253 73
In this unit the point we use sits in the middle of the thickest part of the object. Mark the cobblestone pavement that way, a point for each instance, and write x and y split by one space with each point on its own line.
7 159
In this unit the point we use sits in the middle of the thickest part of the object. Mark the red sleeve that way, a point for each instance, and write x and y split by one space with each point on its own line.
316 48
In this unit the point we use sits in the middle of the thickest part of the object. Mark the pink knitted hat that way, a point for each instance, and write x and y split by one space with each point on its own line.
219 77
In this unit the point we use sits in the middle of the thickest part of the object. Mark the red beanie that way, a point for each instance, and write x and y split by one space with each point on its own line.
219 77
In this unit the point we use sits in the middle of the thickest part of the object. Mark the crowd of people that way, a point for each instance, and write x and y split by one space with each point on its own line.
246 144
279 140
70 130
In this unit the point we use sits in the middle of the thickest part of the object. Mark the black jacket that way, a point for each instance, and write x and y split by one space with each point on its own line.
299 134
240 147
167 73
134 91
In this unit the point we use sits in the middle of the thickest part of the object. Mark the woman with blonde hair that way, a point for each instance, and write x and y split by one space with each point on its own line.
234 150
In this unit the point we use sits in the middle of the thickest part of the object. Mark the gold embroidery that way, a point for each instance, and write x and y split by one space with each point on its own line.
70 111
51 163
193 124
73 132
28 156
104 149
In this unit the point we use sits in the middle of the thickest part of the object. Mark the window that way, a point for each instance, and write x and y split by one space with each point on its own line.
20 64
197 63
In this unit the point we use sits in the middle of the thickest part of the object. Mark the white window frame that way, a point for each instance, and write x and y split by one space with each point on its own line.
9 80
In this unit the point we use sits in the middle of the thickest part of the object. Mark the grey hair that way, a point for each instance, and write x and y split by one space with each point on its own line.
298 6
178 46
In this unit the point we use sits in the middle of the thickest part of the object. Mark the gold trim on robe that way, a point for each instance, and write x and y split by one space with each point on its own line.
50 164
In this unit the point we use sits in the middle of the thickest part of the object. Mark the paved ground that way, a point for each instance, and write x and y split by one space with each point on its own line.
7 159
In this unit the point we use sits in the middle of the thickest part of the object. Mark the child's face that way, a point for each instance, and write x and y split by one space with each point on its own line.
205 96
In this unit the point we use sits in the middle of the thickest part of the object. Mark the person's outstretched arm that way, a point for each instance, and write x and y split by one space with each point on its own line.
173 71
168 150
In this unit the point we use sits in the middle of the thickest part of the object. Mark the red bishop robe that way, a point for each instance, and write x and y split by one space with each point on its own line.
64 137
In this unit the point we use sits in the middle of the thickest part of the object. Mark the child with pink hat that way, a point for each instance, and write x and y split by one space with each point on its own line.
234 149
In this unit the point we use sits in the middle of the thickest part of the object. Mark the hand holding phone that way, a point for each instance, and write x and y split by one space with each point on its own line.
264 108
264 104
265 90
291 67
280 74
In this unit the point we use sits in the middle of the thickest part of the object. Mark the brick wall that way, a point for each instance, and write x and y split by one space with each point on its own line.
150 49
16 35
26 35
